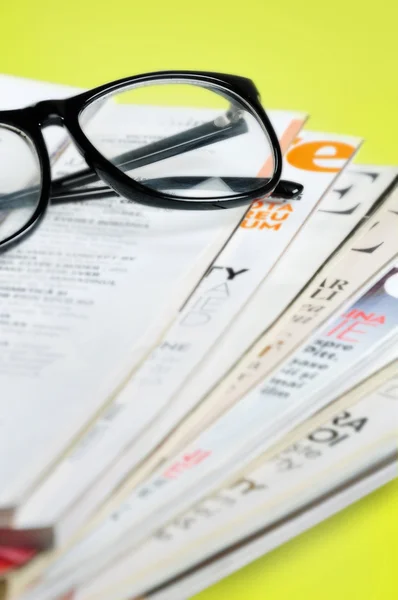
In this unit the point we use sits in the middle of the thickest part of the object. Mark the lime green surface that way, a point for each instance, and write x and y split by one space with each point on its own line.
338 61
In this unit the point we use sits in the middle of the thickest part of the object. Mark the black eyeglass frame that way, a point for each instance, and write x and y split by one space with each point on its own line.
66 112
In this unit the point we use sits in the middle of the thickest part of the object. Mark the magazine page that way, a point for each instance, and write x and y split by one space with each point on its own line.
83 269
212 306
18 92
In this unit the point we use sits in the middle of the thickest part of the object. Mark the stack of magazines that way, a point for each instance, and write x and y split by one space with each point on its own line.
184 391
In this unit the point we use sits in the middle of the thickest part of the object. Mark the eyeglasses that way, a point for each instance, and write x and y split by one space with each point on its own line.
199 167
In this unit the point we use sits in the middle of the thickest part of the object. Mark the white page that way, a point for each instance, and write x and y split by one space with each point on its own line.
80 337
224 291
18 92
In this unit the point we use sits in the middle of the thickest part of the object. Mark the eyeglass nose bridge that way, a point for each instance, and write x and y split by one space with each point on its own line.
49 112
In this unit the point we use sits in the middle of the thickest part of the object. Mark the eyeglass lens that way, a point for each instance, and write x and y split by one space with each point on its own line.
214 145
20 181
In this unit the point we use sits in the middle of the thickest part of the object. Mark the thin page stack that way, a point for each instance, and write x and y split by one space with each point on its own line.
188 390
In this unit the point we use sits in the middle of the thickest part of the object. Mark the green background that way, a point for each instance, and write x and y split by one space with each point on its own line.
338 61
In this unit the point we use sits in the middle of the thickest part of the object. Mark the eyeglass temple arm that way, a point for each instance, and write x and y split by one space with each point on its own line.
285 190
225 127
